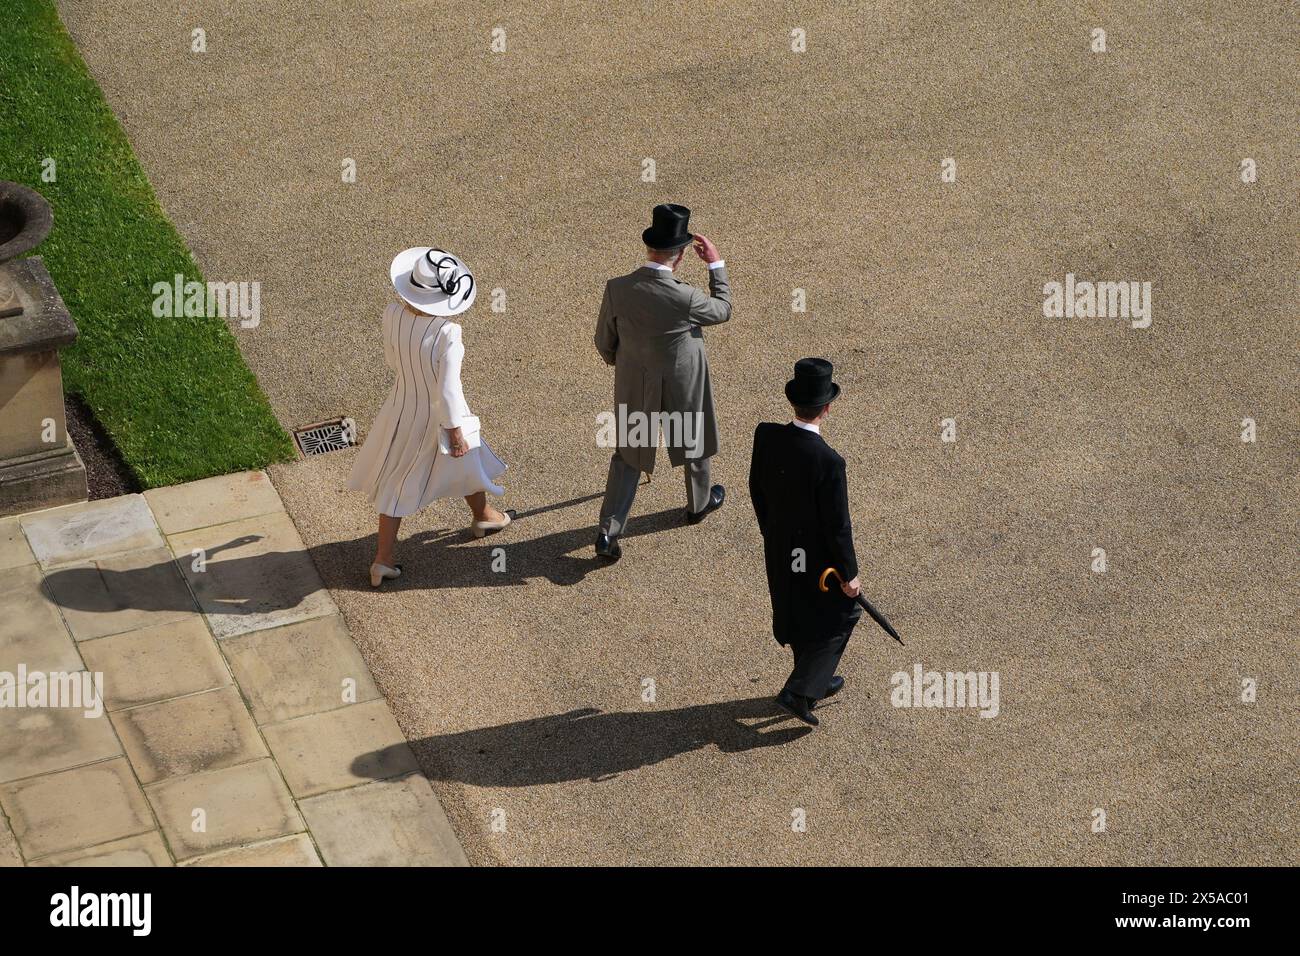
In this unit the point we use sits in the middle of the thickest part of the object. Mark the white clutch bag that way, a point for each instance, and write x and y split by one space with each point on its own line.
469 429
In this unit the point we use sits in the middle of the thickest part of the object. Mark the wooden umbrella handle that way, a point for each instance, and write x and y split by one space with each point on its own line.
821 582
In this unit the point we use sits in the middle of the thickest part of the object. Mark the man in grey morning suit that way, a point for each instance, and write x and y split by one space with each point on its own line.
651 330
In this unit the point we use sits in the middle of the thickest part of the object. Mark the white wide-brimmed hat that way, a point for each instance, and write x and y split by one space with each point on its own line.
433 280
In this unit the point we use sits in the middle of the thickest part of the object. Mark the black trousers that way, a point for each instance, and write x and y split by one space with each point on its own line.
815 663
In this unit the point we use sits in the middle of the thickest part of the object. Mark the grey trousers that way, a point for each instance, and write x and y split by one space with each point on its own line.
620 491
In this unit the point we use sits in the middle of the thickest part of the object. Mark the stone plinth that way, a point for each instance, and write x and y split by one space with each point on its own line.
39 467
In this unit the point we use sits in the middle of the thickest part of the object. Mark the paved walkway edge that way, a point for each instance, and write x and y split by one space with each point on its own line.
238 723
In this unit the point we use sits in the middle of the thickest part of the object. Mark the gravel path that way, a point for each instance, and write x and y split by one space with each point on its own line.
522 690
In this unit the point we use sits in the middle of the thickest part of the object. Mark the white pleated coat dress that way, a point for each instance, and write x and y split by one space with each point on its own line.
404 463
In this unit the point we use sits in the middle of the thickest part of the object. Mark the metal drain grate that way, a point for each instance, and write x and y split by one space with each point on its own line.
326 436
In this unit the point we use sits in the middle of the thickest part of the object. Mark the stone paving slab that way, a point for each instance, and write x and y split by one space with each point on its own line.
77 808
244 804
145 849
124 592
156 663
42 740
388 823
9 855
257 574
174 766
299 669
31 630
340 748
14 551
218 500
188 735
90 530
296 850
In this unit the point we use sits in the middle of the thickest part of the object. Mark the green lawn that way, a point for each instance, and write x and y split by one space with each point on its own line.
173 393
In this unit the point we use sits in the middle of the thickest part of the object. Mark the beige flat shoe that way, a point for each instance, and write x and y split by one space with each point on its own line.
378 572
480 528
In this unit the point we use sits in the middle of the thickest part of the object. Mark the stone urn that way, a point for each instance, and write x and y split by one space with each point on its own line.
39 467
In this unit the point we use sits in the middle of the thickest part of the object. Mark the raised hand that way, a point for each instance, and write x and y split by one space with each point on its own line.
705 249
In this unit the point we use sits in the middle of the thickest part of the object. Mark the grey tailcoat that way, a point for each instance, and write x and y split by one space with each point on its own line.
650 330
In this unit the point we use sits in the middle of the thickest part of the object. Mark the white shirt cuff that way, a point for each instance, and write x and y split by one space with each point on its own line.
721 263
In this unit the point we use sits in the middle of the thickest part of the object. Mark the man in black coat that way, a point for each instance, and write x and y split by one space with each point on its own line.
798 486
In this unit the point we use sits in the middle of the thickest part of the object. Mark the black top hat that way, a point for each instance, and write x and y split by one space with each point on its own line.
812 383
669 228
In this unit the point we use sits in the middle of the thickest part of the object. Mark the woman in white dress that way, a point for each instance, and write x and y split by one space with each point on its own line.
424 443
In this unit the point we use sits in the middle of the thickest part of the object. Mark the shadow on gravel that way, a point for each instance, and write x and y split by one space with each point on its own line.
275 580
592 745
456 559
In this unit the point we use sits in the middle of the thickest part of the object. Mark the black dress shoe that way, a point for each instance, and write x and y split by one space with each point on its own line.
834 687
799 706
716 494
608 548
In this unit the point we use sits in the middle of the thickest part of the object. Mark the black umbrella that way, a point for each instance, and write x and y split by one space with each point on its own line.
866 605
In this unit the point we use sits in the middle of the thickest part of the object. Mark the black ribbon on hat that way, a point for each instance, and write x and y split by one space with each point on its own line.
450 286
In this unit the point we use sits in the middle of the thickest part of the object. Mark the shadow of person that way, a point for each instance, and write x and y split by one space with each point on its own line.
590 744
456 559
263 582
100 589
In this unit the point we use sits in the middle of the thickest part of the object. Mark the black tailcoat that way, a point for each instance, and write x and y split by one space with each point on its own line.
800 494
